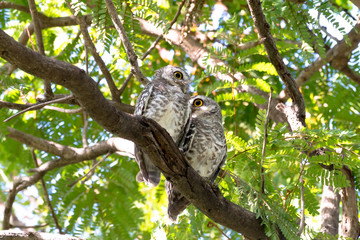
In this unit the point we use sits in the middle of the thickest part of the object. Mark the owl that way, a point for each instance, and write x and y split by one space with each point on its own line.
204 147
164 100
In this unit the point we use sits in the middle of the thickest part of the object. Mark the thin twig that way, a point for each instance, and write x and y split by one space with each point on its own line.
153 45
302 193
85 128
63 110
211 224
40 45
31 41
8 205
86 59
302 200
125 83
349 150
46 194
37 27
89 45
35 226
126 42
90 172
38 106
264 144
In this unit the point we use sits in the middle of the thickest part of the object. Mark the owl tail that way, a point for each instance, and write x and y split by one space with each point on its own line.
148 172
153 178
176 202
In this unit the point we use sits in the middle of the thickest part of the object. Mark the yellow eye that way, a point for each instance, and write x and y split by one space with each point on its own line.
198 103
178 75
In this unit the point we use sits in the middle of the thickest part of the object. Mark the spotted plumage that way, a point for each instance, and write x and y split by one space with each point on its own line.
204 147
164 100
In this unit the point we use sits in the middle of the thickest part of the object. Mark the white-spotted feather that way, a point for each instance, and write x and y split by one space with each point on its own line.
165 101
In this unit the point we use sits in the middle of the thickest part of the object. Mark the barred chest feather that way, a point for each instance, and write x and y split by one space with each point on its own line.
169 107
207 150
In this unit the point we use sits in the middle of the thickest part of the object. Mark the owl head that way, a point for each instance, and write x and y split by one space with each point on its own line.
204 107
172 75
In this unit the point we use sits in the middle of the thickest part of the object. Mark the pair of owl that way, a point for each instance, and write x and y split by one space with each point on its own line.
194 123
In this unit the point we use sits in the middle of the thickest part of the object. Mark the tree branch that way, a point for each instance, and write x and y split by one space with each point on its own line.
193 49
16 235
39 105
89 43
263 152
153 45
40 45
46 194
338 56
146 134
126 42
120 106
274 56
114 145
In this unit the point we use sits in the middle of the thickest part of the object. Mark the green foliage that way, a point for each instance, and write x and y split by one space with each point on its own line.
110 204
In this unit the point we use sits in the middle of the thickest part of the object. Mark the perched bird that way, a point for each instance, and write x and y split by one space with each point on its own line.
204 147
164 100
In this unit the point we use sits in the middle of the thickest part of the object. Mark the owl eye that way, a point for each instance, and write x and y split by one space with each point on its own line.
198 103
178 75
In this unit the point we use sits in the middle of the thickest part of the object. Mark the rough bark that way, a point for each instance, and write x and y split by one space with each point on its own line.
350 219
329 211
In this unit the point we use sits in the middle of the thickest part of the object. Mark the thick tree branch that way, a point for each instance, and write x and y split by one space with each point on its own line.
69 155
148 135
274 56
203 195
114 145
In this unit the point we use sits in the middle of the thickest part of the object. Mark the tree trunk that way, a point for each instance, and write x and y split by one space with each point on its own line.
329 211
350 219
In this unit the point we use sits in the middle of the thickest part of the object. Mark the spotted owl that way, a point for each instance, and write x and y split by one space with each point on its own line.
204 147
164 100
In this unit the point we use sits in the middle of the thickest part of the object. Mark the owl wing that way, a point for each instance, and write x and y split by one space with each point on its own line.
177 203
216 173
143 99
219 133
188 137
147 173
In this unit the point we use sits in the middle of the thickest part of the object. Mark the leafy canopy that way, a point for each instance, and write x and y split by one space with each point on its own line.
110 203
